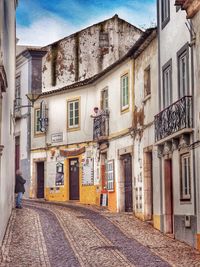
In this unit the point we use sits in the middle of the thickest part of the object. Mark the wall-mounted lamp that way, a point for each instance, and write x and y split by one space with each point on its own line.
32 97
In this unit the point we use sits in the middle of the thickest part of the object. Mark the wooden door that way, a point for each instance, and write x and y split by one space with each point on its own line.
73 179
40 179
168 196
127 165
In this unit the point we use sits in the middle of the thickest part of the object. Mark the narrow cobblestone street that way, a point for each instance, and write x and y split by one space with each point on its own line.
59 235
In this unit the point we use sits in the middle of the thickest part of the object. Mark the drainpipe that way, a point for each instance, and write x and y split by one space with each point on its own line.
193 117
192 43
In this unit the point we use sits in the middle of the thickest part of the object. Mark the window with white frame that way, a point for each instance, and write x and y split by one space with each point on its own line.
167 84
124 92
110 175
185 177
73 114
37 121
165 12
183 71
104 99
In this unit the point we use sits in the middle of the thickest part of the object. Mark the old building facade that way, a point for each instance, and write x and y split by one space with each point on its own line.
86 158
28 81
175 134
139 152
87 52
7 86
192 9
145 106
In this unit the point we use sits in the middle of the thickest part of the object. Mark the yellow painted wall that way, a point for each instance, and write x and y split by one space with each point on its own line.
156 221
60 195
112 200
198 241
88 194
55 196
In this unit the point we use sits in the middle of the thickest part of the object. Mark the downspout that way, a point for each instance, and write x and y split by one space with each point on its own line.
192 39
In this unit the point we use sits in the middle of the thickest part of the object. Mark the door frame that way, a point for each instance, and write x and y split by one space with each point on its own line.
131 159
33 178
66 162
75 158
168 196
37 163
148 183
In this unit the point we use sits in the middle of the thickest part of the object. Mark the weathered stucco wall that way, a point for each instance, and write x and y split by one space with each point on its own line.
88 52
143 118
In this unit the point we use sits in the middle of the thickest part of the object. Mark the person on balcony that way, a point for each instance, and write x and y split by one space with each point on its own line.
97 112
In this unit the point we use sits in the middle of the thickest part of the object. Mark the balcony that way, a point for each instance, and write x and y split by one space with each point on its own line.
173 119
101 127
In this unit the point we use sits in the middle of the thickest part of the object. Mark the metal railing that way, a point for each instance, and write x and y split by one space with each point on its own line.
101 126
174 118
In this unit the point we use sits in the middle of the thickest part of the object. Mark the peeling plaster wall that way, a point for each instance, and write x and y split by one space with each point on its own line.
143 118
84 54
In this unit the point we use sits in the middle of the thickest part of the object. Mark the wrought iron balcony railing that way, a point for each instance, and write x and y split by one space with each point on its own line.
174 118
101 127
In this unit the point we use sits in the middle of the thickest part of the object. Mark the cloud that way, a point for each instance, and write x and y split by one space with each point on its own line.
51 25
44 31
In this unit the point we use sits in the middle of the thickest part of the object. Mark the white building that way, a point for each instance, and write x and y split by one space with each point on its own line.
193 13
174 170
145 108
28 80
79 157
7 89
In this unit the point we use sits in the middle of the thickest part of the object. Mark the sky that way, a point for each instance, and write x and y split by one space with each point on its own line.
41 22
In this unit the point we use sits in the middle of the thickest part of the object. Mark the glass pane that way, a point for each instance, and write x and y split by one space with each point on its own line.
76 121
71 122
71 105
76 105
76 113
71 114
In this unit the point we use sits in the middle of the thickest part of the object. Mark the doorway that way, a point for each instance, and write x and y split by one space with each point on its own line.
74 179
127 169
148 186
169 216
40 179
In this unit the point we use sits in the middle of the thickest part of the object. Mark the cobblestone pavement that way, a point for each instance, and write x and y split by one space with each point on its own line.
61 235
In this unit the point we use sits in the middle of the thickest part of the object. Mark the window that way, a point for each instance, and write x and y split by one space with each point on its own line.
124 92
73 114
110 175
103 39
18 94
167 84
104 99
165 12
185 177
183 71
147 81
37 121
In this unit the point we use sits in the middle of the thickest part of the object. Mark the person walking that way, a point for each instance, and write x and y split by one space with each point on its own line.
19 188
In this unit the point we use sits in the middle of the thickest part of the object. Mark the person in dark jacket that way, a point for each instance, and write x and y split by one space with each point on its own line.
19 188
